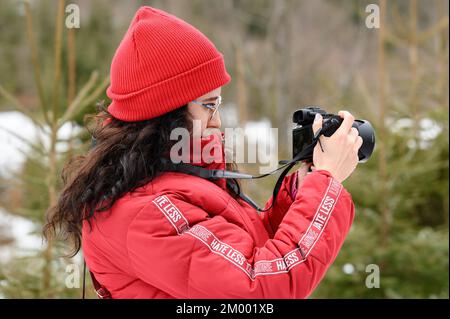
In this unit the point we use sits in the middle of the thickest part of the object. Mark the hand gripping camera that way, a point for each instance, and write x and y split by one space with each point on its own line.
302 134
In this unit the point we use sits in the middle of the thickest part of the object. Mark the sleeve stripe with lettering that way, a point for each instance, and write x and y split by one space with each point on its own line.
261 267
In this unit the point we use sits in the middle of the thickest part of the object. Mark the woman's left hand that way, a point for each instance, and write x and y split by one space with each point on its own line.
301 173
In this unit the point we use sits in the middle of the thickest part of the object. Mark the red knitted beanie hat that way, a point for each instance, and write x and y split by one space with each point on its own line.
161 64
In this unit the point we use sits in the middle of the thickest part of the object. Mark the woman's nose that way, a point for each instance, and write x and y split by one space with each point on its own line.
215 121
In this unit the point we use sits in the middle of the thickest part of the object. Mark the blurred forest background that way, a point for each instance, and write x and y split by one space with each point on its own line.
282 55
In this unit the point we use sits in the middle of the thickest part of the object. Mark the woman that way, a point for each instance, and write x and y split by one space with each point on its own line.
150 233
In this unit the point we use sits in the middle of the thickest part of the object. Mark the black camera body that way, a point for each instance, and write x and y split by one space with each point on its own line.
302 134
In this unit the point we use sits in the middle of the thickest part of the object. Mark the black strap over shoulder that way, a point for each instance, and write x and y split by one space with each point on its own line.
101 291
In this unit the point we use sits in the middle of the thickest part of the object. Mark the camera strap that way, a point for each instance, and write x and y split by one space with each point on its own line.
102 292
232 176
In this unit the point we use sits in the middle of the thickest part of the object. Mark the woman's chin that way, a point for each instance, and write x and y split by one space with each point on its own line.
211 131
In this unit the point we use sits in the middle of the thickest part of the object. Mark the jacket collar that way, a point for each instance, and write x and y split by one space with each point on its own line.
212 155
208 152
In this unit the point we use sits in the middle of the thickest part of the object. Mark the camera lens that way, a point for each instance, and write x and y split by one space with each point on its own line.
367 134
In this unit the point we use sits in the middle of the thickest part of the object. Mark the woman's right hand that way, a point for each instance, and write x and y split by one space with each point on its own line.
340 150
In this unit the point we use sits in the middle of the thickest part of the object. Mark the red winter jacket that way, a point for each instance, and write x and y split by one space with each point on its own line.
181 236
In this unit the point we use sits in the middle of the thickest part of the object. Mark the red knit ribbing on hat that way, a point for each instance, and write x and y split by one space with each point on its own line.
161 64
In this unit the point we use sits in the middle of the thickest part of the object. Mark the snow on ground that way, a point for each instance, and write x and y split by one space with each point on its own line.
12 155
21 230
13 148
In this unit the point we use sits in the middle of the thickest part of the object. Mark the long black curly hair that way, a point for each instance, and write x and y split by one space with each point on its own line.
127 155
